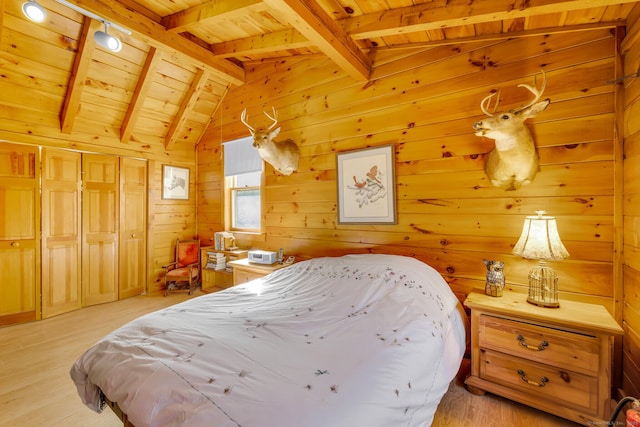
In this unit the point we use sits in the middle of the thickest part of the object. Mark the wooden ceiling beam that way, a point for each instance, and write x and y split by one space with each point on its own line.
315 24
209 11
142 89
79 72
188 101
452 13
272 42
155 34
500 36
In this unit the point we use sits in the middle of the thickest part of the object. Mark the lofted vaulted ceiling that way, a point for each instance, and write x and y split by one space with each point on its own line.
182 56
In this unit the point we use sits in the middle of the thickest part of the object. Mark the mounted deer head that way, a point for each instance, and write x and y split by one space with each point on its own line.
283 156
514 160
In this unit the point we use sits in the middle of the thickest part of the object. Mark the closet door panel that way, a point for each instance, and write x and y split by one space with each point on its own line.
99 229
19 234
133 236
61 243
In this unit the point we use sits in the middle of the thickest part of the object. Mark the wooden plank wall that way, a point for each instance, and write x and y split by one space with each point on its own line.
169 220
631 266
425 103
35 59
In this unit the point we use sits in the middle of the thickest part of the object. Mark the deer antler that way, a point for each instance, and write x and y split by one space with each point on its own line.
537 93
274 118
243 119
487 99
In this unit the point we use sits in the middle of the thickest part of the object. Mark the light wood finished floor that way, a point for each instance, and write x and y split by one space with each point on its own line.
36 391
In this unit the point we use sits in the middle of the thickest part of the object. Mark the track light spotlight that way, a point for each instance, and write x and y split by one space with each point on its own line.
37 13
34 11
106 40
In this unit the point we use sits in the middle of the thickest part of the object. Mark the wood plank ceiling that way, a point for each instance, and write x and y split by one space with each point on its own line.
182 56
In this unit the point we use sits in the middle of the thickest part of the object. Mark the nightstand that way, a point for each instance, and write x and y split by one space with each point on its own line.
554 359
245 271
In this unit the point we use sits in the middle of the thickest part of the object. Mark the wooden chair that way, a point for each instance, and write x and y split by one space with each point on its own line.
184 273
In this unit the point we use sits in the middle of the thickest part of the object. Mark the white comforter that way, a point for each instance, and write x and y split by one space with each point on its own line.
355 341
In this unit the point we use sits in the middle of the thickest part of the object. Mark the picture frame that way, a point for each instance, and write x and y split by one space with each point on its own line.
175 183
366 186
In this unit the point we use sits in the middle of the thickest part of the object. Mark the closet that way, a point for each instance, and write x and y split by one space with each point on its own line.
73 230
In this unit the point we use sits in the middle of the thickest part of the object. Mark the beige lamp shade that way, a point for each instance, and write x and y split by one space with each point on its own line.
540 239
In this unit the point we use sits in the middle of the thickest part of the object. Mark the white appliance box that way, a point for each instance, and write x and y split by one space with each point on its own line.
262 257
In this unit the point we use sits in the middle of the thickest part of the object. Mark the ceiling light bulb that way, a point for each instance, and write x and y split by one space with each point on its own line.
34 11
106 40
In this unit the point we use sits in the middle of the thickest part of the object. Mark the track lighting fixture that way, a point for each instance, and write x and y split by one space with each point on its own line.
37 13
106 40
34 11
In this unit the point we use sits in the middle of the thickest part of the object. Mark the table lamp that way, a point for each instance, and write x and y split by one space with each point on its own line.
540 240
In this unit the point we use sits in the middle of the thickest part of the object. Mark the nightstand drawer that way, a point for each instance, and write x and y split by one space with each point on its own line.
541 382
244 276
245 271
558 348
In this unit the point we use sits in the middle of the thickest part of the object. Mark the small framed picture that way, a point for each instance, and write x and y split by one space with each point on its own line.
175 183
366 186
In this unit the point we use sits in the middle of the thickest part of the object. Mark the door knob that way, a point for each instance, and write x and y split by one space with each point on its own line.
15 244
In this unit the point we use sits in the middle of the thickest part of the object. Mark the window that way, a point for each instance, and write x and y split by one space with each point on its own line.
242 186
243 204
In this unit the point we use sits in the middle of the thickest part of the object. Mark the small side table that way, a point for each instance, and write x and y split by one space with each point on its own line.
554 359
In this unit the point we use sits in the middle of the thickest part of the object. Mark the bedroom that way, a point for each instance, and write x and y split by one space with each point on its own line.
423 96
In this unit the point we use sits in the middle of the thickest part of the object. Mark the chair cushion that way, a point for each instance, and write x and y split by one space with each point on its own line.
181 274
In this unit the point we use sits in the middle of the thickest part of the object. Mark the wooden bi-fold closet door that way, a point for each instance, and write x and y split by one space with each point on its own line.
61 245
114 228
133 227
98 252
19 233
100 228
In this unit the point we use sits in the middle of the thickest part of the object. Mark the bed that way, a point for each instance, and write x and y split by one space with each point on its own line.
358 340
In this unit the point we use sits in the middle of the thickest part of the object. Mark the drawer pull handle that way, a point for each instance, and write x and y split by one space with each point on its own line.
539 347
523 375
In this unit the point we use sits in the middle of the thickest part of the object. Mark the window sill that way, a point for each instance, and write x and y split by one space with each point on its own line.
247 233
